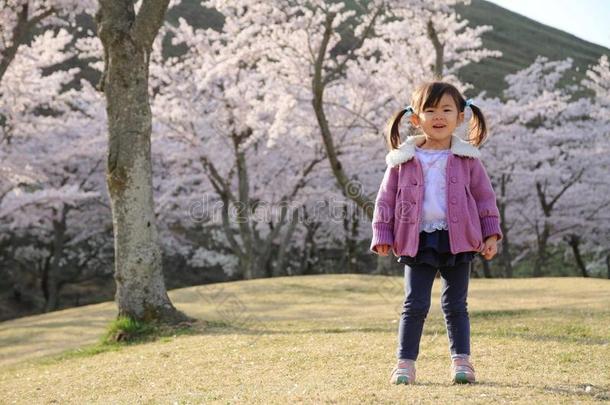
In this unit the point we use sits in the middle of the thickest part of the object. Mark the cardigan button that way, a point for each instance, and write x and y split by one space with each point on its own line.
453 200
453 179
454 219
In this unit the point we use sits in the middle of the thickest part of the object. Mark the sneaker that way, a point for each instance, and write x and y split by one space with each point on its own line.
462 371
404 372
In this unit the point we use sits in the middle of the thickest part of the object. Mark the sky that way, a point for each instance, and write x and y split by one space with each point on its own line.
586 19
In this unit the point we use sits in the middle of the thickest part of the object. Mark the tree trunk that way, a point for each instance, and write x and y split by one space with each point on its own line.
310 250
547 204
350 188
574 242
439 51
542 250
255 266
486 268
127 40
474 269
385 265
281 265
54 268
505 256
350 227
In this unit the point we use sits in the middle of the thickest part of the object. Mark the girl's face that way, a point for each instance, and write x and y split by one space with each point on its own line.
440 121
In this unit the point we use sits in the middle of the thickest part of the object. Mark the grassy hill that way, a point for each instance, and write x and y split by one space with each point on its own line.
327 339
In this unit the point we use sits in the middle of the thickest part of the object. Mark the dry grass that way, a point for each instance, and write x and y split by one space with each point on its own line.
327 339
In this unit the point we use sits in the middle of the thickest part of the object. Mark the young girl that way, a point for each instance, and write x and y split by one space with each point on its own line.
436 209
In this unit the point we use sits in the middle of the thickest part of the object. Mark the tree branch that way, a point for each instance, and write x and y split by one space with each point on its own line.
439 49
149 21
318 87
350 55
20 34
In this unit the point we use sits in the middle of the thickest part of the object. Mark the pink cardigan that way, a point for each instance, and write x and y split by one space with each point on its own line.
472 213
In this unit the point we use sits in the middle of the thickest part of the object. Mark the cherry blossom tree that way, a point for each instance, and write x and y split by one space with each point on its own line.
47 210
217 112
48 149
598 81
127 36
19 19
539 162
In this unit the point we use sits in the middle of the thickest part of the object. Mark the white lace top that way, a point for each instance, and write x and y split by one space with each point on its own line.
434 162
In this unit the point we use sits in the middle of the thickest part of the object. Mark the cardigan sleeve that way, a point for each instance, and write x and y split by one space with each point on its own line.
383 215
485 198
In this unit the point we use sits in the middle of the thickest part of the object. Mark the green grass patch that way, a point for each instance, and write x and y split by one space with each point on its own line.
123 332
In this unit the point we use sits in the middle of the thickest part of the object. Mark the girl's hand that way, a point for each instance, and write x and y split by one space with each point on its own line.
383 250
490 249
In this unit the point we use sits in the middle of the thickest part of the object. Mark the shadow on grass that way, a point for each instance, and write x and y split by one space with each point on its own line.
255 328
573 333
547 312
221 328
200 327
142 334
481 383
506 313
24 339
236 320
565 333
579 390
589 341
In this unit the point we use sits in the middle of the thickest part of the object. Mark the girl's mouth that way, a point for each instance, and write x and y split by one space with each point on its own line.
438 126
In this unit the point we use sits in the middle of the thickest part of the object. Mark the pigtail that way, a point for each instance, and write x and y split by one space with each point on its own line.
392 134
477 128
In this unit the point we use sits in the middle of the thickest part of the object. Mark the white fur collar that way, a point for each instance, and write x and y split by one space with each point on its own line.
406 150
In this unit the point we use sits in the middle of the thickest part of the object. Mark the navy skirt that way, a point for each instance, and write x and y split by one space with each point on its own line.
434 250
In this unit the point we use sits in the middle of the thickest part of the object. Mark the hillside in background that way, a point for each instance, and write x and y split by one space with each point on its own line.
521 39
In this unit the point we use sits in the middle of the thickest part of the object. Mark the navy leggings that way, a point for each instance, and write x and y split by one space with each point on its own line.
418 286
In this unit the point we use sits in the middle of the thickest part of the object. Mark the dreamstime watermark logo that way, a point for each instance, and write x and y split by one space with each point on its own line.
353 189
331 209
231 310
390 288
